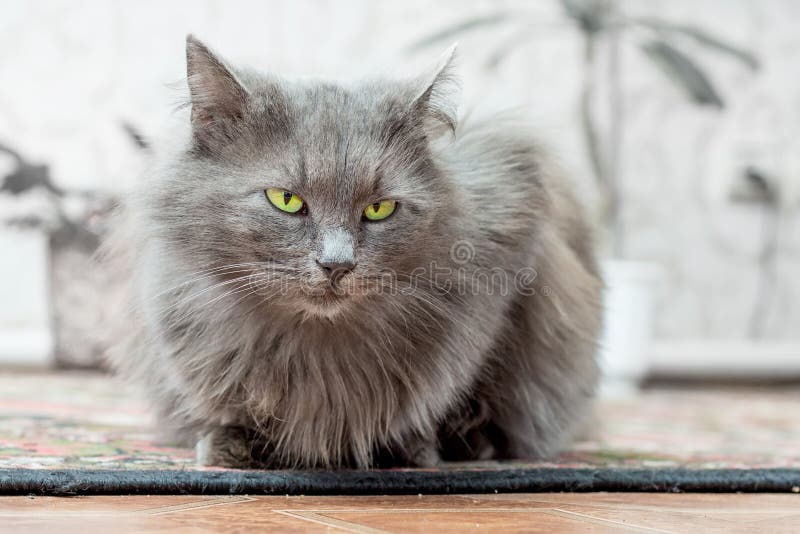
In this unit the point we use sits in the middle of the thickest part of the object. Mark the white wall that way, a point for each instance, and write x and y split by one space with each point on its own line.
71 71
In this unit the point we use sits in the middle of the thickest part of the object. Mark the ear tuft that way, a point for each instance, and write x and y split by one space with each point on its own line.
218 98
437 100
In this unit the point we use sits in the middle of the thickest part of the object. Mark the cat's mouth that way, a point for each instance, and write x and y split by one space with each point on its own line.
327 302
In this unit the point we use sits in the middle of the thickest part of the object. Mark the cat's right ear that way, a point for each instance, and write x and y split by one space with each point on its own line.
436 101
218 98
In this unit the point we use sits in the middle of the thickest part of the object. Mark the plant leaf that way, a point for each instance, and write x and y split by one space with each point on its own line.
591 15
703 38
684 72
506 47
449 33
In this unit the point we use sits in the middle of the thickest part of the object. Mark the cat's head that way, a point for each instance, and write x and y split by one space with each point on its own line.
319 192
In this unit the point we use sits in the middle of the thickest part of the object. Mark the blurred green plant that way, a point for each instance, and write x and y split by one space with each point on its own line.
663 42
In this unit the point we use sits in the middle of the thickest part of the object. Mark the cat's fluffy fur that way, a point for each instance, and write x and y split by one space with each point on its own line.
446 345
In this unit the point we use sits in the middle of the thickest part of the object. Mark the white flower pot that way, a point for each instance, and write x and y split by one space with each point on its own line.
629 314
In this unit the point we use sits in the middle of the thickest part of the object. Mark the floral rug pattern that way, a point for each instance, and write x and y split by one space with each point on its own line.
92 421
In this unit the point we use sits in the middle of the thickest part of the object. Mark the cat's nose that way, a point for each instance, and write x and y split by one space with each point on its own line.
336 269
336 256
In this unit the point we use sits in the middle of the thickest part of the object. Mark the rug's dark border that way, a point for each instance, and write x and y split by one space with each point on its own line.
397 482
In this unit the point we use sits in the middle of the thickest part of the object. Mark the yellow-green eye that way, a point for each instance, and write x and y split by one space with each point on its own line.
285 200
380 210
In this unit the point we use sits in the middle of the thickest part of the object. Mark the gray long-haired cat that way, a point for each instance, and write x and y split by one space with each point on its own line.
325 275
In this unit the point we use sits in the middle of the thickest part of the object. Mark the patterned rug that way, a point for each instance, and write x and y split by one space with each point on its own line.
93 422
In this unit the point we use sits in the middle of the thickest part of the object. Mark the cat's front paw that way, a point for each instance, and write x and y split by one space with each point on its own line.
420 454
228 446
425 456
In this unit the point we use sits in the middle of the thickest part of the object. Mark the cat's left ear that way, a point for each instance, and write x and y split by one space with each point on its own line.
436 101
218 98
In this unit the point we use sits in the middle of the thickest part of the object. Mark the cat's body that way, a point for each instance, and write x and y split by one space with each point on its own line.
469 324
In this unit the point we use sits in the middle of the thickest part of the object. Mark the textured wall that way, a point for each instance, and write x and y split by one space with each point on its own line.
72 71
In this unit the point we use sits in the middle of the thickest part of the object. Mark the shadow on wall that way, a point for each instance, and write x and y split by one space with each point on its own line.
57 288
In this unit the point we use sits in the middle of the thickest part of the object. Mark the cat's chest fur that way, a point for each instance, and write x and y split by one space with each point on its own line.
325 391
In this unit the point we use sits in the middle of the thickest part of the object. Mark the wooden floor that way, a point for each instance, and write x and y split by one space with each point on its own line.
594 512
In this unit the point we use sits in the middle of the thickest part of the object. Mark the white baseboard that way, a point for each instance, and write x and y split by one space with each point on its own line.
725 359
32 347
